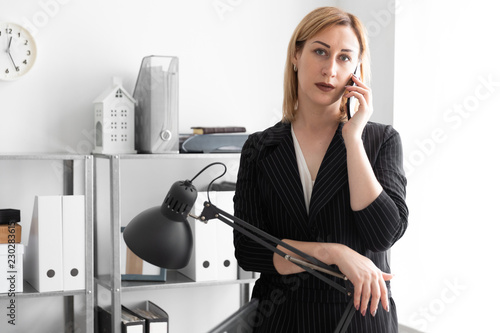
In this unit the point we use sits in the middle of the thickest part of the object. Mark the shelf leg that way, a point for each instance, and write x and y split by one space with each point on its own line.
244 293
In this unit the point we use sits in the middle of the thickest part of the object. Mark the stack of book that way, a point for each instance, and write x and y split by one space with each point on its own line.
218 129
223 139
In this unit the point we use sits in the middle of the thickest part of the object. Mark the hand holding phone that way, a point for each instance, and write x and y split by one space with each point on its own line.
349 105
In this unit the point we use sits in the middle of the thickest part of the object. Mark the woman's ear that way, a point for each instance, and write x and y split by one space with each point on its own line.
296 56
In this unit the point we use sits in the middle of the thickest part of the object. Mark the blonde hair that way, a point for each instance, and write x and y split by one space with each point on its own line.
314 22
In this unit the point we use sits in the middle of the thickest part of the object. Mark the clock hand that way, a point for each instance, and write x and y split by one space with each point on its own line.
10 55
15 67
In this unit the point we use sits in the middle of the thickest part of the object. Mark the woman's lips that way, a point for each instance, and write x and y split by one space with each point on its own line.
326 87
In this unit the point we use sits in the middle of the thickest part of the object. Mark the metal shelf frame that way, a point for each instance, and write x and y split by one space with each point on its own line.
68 177
113 282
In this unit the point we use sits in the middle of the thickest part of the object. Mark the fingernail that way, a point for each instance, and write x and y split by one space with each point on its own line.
357 307
363 313
374 313
387 308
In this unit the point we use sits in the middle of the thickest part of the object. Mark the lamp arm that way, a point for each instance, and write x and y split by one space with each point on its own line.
310 264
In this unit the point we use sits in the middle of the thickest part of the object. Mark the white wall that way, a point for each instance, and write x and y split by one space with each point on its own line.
446 109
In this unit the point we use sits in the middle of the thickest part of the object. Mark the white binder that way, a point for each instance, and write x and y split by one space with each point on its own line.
202 265
43 261
227 267
73 241
213 250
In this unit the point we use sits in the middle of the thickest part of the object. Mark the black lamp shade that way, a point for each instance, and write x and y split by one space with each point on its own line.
161 235
158 240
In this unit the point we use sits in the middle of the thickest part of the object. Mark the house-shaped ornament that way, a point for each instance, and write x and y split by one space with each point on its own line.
114 121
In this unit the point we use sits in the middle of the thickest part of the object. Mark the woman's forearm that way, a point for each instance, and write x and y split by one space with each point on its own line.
325 252
364 187
367 278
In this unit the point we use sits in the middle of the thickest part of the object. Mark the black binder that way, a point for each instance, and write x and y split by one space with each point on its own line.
155 317
130 323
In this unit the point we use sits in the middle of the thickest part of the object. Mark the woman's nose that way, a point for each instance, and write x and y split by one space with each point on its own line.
330 69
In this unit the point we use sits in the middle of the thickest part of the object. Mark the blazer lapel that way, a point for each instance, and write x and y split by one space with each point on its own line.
332 174
282 172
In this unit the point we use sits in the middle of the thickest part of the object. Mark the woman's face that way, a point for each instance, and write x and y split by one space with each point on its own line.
324 67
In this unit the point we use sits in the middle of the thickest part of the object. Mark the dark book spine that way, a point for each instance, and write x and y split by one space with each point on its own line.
215 130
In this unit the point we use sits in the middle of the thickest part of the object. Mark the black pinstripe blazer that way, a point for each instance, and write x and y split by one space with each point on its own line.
269 195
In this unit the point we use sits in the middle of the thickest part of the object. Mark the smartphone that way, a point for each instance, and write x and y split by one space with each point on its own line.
349 105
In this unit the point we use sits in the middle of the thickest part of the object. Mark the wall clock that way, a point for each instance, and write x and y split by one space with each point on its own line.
17 51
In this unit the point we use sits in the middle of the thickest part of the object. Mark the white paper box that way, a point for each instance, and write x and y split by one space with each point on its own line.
227 266
43 263
213 250
202 266
73 241
11 268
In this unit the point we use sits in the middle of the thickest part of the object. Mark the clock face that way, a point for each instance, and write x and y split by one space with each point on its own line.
17 51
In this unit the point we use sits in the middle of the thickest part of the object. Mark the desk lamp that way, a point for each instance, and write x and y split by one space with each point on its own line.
162 236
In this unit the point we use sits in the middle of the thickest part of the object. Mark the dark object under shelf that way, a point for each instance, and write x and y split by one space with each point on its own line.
105 323
10 216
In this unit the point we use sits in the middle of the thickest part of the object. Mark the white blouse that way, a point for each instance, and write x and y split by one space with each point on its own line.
305 176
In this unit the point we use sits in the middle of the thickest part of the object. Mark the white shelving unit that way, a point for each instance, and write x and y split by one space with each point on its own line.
65 166
125 186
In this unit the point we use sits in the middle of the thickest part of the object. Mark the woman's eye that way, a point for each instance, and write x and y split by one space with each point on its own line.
345 58
320 52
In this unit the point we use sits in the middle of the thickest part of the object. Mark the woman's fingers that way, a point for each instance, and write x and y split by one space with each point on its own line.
363 91
372 291
361 94
387 276
385 294
357 296
365 298
384 297
377 292
369 282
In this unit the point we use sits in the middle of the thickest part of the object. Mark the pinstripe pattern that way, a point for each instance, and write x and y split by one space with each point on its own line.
302 317
269 195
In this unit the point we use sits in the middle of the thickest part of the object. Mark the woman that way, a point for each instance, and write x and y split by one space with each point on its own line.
331 187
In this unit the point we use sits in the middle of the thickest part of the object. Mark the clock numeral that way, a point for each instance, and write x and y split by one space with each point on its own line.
25 62
8 31
19 35
28 52
26 42
7 71
17 69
